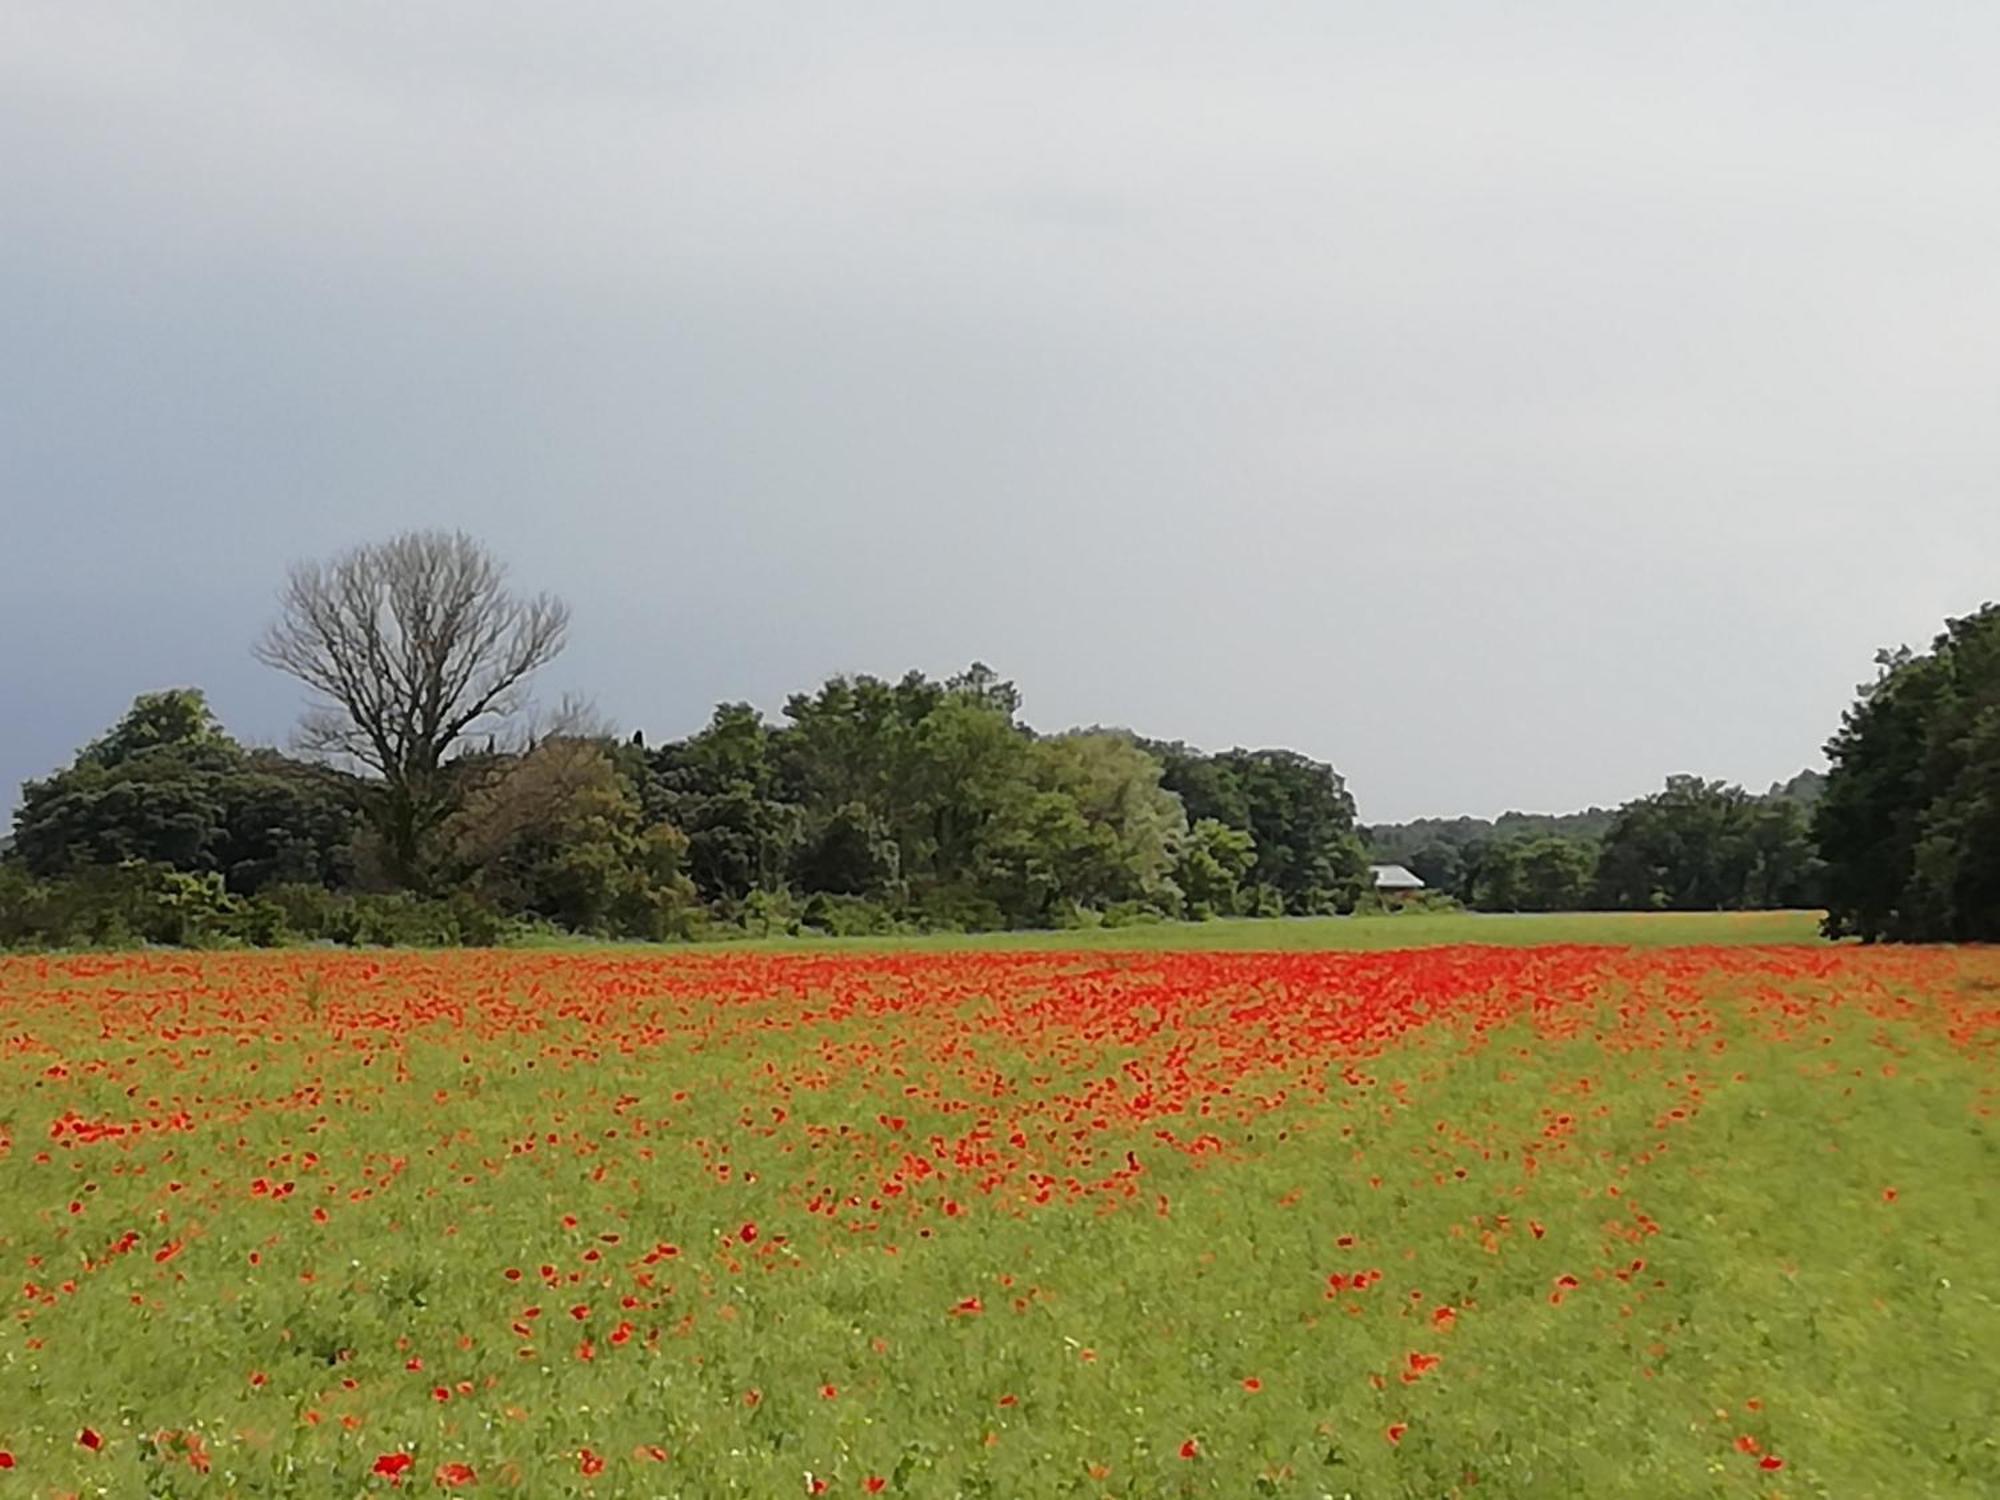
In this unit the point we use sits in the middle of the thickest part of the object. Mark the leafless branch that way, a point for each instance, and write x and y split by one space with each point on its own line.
409 645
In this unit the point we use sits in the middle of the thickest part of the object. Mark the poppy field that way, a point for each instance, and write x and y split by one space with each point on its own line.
1467 1221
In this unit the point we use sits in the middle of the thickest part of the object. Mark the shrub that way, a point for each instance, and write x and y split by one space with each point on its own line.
848 916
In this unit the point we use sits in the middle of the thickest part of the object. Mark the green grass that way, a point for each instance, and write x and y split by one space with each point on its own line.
1362 934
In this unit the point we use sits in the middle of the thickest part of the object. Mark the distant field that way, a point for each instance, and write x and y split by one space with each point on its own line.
1368 934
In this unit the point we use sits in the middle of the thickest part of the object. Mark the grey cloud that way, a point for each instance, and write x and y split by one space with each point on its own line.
1512 404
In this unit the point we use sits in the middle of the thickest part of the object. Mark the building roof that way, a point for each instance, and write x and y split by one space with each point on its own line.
1394 878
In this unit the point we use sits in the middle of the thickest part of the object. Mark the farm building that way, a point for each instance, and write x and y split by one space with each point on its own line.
1395 883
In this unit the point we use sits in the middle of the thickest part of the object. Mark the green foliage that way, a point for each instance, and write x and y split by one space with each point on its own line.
1695 846
1213 864
1555 874
1439 865
927 800
1427 840
1909 822
722 788
560 834
1706 846
1296 810
1095 824
177 718
166 786
1549 873
851 852
1806 789
872 807
117 906
838 915
127 905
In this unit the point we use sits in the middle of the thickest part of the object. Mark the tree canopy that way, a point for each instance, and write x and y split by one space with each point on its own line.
427 805
165 785
870 803
1909 821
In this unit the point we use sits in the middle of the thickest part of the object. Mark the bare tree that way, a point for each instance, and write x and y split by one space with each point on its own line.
411 644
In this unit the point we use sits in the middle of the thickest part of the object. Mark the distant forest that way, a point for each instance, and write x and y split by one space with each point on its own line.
425 802
1693 846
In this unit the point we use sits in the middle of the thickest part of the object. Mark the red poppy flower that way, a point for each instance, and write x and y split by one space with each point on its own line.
1190 1448
1770 1461
393 1465
90 1439
455 1476
874 1484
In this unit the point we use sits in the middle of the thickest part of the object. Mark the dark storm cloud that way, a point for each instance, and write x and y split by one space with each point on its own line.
1510 404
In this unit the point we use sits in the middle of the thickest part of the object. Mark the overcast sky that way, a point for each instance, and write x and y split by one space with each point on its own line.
1509 403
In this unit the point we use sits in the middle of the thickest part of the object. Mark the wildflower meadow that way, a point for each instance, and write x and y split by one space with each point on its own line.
1466 1221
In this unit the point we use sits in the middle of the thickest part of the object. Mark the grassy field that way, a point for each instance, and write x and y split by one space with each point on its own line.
1452 1221
1367 934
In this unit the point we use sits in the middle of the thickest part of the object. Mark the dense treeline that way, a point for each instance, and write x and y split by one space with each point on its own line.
1695 845
873 806
420 808
1910 824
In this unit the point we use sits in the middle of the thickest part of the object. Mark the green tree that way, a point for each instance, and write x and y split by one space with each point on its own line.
559 833
850 852
1703 845
176 718
1555 874
1783 870
1117 787
1909 822
1493 875
1550 872
724 788
1297 811
1089 827
1439 865
933 764
167 786
1214 862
